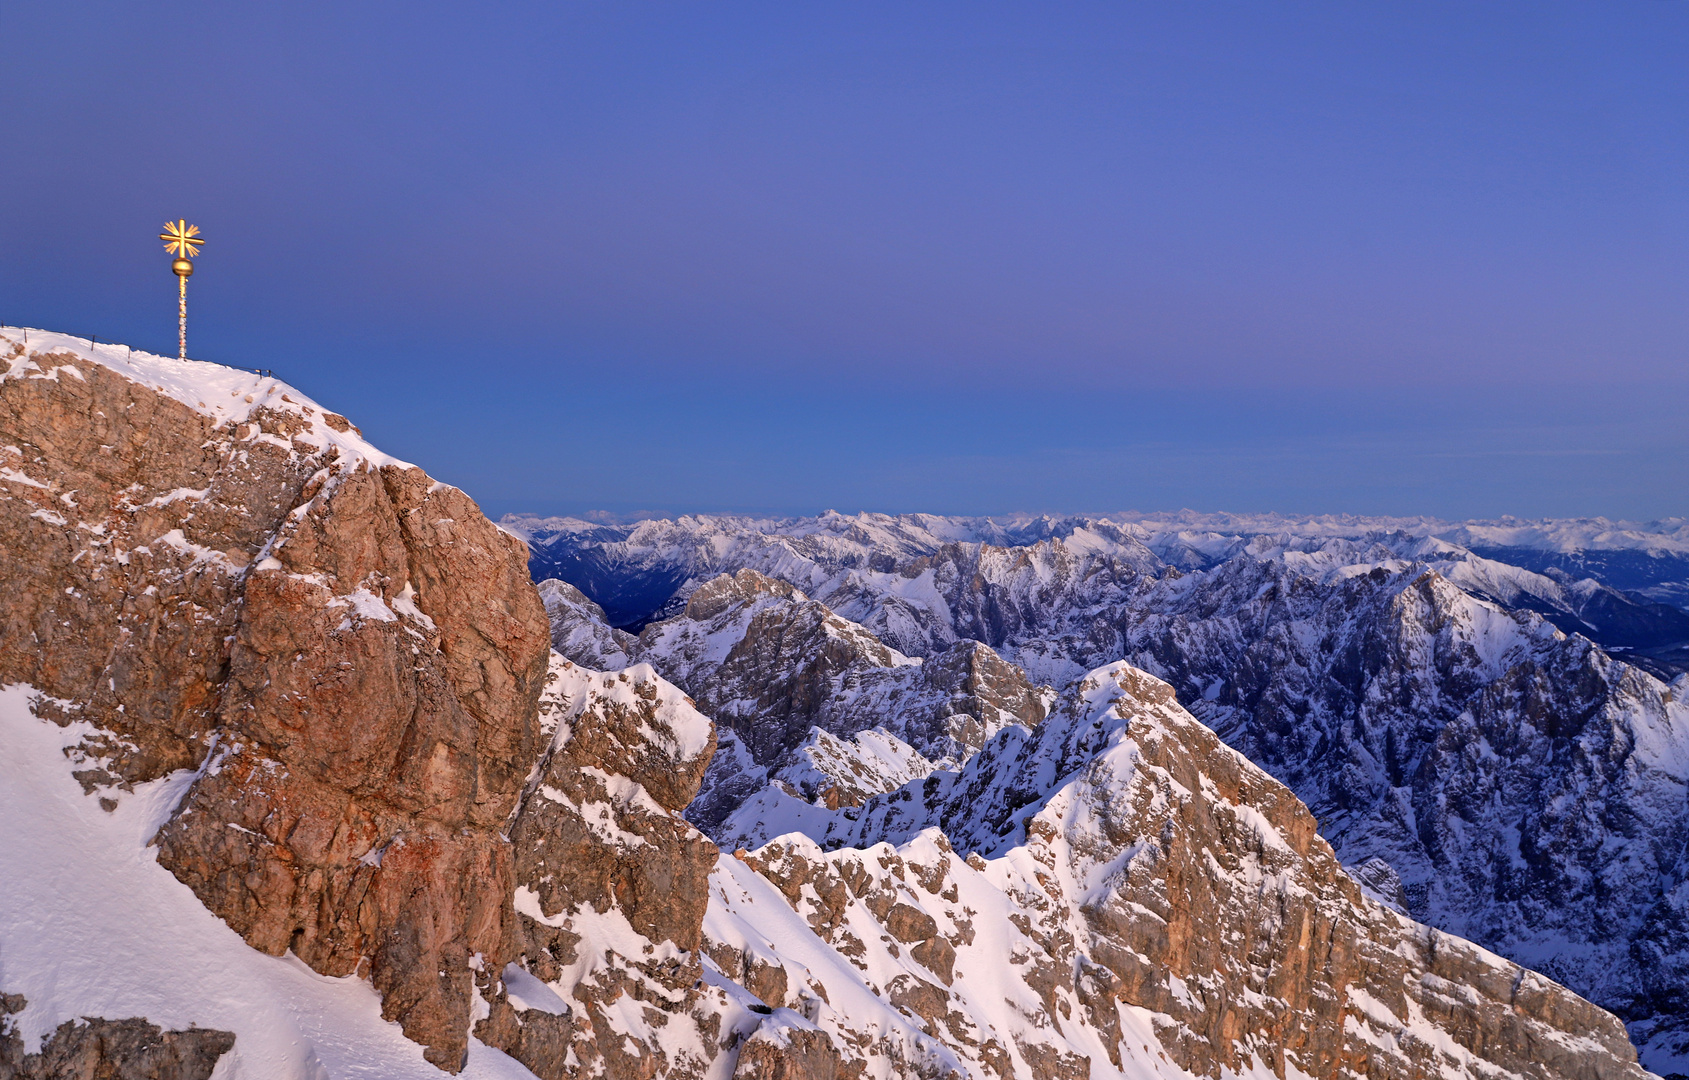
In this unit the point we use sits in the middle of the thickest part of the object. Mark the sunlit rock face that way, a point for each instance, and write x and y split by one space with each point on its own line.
611 887
1118 890
1468 744
222 577
915 859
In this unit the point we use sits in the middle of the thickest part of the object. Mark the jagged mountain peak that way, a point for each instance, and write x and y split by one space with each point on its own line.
287 743
1396 673
1115 838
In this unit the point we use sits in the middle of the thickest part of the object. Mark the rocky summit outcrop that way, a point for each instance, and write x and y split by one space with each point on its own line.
224 577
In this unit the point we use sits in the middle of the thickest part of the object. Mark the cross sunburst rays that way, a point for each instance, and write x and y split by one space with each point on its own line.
181 239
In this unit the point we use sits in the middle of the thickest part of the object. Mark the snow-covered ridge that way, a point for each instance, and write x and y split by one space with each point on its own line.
1356 663
93 926
1565 535
225 394
1147 888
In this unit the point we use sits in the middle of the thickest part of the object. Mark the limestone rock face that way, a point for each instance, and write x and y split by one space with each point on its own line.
1135 889
600 847
223 578
791 1055
612 886
956 872
1491 733
96 1049
798 687
600 827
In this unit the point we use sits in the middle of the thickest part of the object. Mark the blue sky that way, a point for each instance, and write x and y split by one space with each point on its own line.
971 258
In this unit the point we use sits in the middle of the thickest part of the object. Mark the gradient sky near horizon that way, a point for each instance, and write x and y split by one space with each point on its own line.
964 258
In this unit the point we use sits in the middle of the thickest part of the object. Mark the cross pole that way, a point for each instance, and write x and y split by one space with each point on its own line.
182 240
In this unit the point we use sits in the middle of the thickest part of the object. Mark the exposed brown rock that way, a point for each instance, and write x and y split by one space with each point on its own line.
1148 870
599 843
359 645
95 1049
353 658
909 924
792 1055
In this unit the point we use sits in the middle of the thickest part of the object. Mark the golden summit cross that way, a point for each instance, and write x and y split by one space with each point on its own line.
182 240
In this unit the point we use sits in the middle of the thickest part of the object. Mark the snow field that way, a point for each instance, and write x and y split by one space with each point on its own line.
91 925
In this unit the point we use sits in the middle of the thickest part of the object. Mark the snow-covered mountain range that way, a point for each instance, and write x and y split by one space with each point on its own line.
1625 585
303 777
1500 750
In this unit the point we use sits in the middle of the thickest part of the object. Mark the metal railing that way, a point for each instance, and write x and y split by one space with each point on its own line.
93 340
